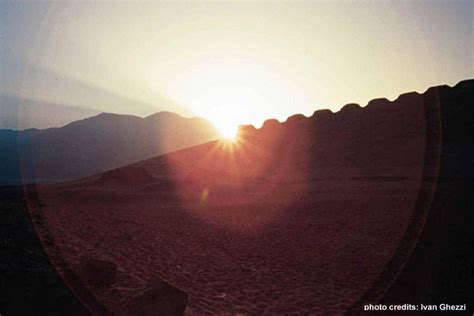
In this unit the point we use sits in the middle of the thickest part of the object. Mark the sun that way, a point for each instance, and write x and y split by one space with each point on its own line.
227 130
226 119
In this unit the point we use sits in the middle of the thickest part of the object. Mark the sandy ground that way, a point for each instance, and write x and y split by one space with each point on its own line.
312 252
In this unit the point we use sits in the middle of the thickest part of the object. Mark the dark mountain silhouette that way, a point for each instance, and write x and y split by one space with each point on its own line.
95 144
315 215
22 113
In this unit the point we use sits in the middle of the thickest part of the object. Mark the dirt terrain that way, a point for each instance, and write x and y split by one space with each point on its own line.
316 256
253 241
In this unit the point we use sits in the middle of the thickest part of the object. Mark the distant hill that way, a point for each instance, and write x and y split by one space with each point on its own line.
20 113
95 144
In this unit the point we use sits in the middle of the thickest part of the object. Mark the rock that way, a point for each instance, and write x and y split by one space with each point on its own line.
97 272
159 298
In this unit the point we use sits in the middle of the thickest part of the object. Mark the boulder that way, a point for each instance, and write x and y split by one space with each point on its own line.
97 272
158 298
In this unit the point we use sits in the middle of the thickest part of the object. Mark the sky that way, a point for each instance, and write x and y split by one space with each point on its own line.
232 63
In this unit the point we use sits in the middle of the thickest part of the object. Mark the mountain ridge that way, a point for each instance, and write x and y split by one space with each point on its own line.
95 144
114 131
373 102
19 113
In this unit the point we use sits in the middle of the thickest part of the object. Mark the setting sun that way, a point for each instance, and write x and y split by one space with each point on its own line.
226 124
228 132
226 119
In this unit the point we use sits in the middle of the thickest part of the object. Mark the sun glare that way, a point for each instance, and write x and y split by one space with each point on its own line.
226 120
231 88
227 130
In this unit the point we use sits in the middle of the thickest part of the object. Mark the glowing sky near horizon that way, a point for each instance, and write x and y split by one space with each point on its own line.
231 62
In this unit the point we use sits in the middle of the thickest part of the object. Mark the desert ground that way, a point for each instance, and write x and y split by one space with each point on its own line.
236 245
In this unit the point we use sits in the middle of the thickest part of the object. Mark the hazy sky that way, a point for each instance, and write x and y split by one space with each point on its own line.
231 62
